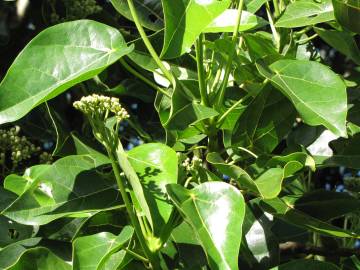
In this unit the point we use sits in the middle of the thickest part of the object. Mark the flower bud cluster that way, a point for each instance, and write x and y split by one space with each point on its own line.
75 10
18 147
352 184
45 158
99 106
193 164
80 9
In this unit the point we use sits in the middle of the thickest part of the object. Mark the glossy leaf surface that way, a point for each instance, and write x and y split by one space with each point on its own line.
71 185
226 22
156 165
74 52
306 12
318 94
185 20
93 251
216 219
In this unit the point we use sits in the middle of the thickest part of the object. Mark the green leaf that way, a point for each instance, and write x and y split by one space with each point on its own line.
260 248
157 165
345 153
348 14
149 12
39 258
64 229
324 205
267 185
318 94
70 185
12 232
215 211
184 22
11 253
260 45
254 5
263 124
74 52
19 184
227 20
306 12
306 264
287 212
185 108
91 252
342 41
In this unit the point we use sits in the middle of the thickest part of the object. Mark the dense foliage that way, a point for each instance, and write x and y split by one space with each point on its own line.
187 136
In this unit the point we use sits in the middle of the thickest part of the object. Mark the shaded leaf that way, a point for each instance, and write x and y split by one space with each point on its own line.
91 252
306 264
287 212
156 165
39 258
149 12
347 14
70 185
342 41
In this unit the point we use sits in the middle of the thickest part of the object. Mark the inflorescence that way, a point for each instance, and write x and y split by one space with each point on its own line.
16 149
97 106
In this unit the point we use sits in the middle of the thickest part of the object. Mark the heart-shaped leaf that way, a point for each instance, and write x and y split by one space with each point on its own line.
74 51
318 94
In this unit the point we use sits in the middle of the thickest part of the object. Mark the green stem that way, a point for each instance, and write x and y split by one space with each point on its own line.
143 78
231 55
129 208
200 69
137 256
272 26
219 121
306 40
148 45
276 8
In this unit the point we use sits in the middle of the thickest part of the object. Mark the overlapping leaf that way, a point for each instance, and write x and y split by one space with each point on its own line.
94 251
71 185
